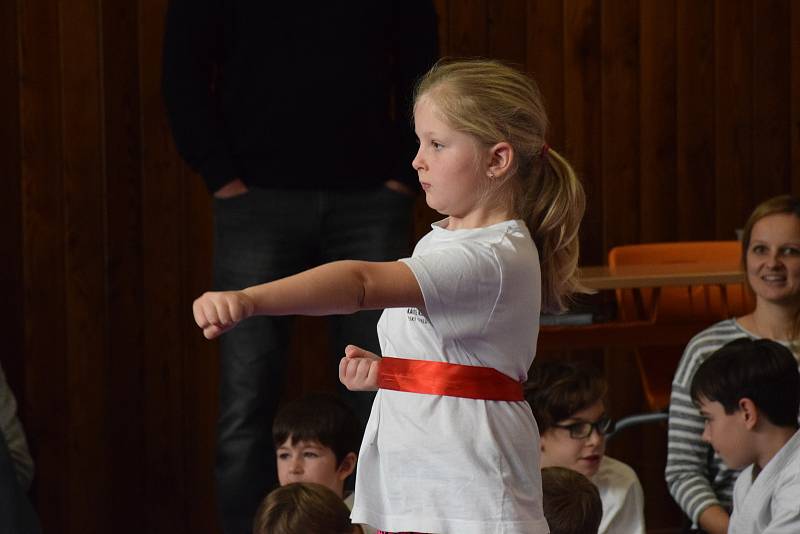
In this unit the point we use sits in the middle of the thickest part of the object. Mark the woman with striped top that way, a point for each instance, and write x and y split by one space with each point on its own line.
697 477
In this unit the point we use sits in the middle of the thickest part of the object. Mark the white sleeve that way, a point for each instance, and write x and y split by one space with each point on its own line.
460 286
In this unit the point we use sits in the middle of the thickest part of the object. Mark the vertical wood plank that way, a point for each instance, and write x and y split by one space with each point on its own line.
658 122
201 358
468 29
734 114
545 62
794 118
695 177
162 237
771 100
443 25
82 139
620 128
795 97
11 273
582 117
43 249
507 31
126 310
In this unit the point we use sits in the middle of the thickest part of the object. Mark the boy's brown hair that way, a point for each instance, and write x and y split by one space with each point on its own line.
557 390
319 417
302 507
571 502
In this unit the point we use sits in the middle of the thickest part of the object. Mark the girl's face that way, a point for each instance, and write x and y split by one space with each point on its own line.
773 259
582 455
451 165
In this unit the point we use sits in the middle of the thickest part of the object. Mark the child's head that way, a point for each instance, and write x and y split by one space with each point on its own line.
743 388
567 402
509 165
303 508
571 502
316 440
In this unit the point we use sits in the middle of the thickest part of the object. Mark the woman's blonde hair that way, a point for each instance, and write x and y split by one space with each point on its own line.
495 103
783 204
302 507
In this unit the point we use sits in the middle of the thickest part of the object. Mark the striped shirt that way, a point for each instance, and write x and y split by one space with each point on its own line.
697 477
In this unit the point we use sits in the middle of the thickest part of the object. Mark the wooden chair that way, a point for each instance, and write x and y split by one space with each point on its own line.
701 305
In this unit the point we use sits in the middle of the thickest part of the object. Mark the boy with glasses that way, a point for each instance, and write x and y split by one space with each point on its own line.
568 403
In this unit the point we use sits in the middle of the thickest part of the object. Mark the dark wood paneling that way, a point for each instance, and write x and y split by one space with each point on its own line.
84 313
734 114
771 101
545 62
468 28
126 388
794 121
657 122
163 276
695 176
507 34
43 252
582 116
11 274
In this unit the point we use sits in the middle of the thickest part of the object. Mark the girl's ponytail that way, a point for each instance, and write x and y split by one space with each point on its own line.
554 204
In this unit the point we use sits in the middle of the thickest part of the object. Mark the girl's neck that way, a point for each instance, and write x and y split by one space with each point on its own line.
480 218
771 321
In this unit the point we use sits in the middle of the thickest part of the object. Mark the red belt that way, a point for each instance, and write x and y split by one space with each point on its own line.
450 379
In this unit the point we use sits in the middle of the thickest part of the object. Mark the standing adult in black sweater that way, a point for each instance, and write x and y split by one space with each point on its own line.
297 118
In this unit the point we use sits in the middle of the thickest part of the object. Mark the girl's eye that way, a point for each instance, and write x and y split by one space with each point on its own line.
310 454
759 249
790 251
283 456
436 146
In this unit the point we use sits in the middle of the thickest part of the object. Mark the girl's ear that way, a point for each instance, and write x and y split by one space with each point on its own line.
347 466
501 157
749 413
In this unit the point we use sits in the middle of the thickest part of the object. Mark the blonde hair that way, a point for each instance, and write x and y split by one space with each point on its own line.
783 204
495 103
302 507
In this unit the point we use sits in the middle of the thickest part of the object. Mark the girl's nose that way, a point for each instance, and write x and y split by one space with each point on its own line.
417 162
297 466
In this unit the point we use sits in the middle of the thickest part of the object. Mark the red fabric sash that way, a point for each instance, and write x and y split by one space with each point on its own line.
450 379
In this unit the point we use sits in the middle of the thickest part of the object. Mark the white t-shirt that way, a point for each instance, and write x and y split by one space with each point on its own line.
622 496
770 503
446 464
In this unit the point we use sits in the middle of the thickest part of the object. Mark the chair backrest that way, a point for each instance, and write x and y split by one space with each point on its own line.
682 304
690 304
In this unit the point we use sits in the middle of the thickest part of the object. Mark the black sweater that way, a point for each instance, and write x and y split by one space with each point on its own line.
292 95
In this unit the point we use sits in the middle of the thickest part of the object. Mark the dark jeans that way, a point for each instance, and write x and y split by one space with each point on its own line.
16 513
261 236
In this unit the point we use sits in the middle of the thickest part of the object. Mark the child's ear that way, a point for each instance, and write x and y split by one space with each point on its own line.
749 413
347 466
501 156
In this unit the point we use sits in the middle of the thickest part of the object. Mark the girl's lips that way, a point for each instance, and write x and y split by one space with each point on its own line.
425 185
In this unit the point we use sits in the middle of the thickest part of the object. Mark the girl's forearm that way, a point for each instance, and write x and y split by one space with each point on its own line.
333 288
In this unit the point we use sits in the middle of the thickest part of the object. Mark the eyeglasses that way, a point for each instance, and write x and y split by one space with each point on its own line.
583 429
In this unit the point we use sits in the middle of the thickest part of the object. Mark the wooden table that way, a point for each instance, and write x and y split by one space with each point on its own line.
638 333
663 274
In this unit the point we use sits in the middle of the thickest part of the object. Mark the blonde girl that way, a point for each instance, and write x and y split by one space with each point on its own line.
451 445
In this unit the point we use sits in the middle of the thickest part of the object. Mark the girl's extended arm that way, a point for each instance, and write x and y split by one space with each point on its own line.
340 287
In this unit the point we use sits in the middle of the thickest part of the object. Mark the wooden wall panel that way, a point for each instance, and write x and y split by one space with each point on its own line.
695 82
84 313
582 116
657 118
734 114
126 389
771 102
678 115
47 395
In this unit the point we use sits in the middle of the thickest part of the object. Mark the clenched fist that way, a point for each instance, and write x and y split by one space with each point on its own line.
358 370
216 312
